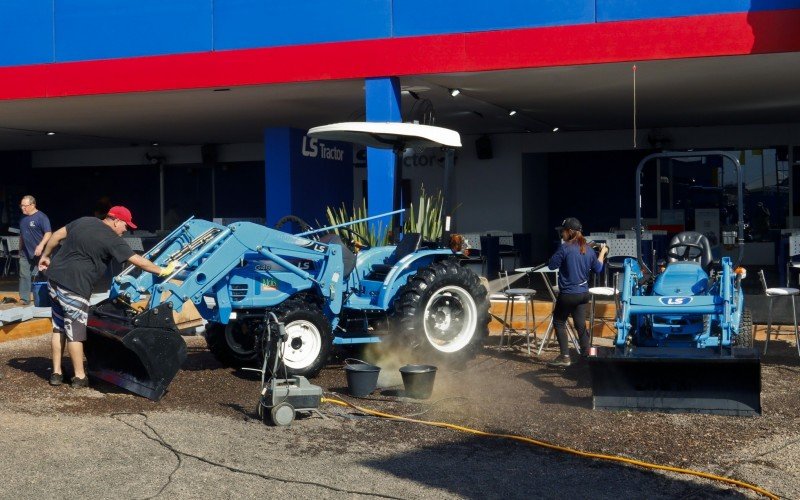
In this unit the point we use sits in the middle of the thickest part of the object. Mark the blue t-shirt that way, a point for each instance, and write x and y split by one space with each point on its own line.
573 267
31 231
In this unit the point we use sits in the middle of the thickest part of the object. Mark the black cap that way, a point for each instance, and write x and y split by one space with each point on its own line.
571 223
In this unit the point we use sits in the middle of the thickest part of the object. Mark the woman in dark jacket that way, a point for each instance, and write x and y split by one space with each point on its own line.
573 259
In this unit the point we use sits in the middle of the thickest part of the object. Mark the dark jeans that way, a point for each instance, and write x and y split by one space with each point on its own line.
574 304
28 269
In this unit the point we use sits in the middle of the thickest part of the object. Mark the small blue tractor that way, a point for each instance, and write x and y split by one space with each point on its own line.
323 291
684 338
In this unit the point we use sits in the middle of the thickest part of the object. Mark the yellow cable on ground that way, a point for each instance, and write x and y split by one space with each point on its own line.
572 451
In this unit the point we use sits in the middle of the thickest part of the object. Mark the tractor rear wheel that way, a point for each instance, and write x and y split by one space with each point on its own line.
235 344
444 307
745 335
308 347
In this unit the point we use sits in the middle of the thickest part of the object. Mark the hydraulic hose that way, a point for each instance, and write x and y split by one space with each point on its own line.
564 449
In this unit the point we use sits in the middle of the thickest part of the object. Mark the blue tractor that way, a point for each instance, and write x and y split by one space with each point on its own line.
324 291
684 338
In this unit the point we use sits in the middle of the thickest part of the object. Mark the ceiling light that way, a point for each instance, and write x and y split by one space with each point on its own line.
555 129
51 133
154 143
512 113
454 92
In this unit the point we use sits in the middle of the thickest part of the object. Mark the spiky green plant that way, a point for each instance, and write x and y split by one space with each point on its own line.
373 231
426 217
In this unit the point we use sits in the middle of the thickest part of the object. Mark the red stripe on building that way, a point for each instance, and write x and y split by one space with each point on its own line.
654 39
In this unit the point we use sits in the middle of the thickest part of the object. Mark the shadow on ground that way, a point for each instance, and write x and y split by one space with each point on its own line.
525 471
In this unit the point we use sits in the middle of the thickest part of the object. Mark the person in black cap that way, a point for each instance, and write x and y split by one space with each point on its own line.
573 259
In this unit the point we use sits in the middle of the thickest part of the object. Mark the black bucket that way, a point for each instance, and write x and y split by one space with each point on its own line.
418 380
362 378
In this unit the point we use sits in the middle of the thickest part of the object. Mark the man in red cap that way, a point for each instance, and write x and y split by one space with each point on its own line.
88 245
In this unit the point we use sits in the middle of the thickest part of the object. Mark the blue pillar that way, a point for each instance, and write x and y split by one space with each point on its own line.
278 177
383 105
305 175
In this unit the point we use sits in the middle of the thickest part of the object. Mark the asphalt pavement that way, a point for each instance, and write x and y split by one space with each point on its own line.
53 445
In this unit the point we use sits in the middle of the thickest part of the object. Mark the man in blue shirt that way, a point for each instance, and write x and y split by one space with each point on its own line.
574 259
34 231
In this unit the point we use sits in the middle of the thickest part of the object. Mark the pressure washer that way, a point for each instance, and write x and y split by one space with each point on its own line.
281 398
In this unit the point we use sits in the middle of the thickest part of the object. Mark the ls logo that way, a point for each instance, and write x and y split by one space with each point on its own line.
310 147
675 301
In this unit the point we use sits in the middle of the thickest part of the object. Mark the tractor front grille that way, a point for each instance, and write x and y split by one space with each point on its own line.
238 292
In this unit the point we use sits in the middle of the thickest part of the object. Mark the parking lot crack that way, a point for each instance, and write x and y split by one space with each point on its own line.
158 438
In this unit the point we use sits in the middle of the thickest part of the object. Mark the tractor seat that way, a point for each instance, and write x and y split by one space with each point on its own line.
408 245
348 258
705 259
681 278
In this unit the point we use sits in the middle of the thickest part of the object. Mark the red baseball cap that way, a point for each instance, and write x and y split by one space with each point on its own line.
123 214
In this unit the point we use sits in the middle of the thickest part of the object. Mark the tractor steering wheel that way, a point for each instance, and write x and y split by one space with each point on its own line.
352 236
301 224
692 251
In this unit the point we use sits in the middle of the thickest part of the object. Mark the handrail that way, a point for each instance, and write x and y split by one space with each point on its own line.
328 228
690 154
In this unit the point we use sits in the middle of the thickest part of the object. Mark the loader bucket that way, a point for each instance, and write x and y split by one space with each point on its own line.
141 353
677 380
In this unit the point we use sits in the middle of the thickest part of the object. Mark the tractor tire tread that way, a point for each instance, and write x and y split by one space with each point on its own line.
217 345
744 337
410 302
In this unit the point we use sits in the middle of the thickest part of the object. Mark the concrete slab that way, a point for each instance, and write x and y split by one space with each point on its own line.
10 314
27 313
41 312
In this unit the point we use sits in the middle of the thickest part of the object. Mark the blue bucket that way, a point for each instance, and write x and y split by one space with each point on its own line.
41 294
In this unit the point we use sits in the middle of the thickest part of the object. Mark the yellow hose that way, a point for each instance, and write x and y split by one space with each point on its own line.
572 451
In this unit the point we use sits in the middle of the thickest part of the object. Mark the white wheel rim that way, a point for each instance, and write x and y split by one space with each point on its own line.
450 319
303 345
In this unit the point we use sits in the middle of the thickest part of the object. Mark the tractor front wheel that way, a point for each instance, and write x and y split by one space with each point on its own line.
309 342
234 344
445 308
